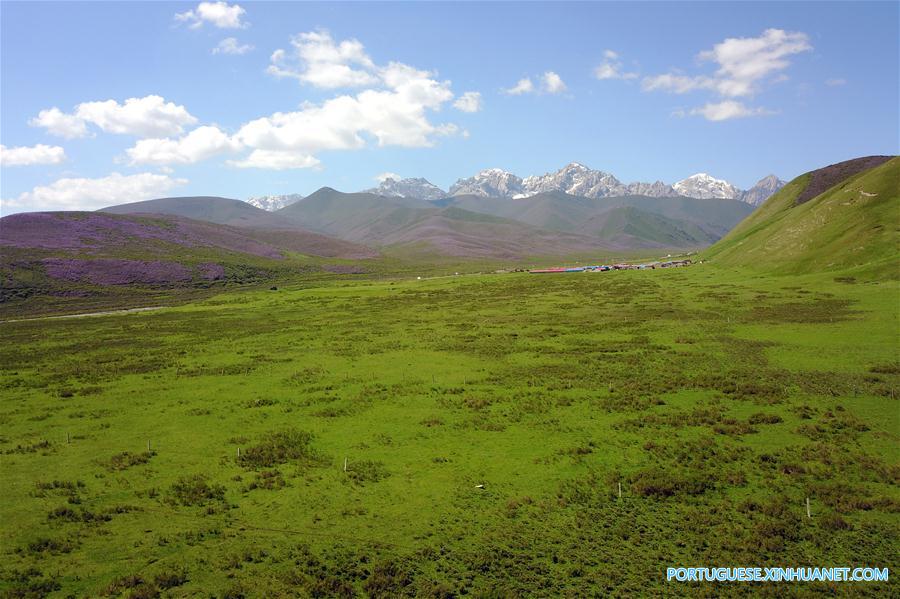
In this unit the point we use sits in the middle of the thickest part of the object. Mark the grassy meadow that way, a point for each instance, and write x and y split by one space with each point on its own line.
488 435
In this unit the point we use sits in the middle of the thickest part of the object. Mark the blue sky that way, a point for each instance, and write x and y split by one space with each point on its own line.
145 106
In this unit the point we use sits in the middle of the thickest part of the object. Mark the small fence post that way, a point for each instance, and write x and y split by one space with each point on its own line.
620 490
67 439
345 464
808 513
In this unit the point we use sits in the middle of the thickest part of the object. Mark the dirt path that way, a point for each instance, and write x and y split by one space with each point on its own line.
87 314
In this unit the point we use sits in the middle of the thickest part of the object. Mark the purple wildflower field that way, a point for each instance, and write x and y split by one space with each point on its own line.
89 231
116 272
211 271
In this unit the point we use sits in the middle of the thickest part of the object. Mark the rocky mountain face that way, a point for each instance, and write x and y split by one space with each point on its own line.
657 189
578 180
492 183
706 187
573 179
763 189
273 203
417 188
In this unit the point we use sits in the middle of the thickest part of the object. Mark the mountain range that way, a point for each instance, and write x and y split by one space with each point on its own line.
837 217
577 180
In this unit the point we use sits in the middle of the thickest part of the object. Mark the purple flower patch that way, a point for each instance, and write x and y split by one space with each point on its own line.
97 232
211 271
116 272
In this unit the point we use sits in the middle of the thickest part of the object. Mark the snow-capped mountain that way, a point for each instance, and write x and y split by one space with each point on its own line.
272 203
573 179
657 189
705 187
492 182
578 180
417 188
762 191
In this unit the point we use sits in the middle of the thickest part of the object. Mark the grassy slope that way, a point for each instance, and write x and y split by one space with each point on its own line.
223 211
548 390
844 228
415 226
247 256
679 222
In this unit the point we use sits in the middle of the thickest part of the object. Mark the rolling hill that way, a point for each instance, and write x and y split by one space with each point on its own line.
411 224
222 211
843 216
679 222
80 252
552 223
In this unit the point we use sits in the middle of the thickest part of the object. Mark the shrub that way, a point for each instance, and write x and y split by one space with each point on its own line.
126 459
367 471
762 418
195 490
279 448
656 482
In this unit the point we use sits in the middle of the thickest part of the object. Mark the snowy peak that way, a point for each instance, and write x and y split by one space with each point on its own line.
576 179
417 188
272 203
706 187
657 189
491 183
762 191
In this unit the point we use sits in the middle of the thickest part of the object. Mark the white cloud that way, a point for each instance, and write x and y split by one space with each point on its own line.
611 67
523 86
552 83
27 156
725 110
319 61
200 144
743 65
276 160
468 102
385 176
218 14
230 45
90 194
835 82
677 83
58 123
745 62
393 112
150 116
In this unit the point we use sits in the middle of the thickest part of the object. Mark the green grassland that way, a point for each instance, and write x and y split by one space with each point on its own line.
458 435
852 226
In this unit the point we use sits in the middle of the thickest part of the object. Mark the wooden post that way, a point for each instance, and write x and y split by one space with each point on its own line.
239 453
345 464
808 514
148 445
620 490
67 439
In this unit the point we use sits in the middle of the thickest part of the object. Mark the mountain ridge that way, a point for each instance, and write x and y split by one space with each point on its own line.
575 179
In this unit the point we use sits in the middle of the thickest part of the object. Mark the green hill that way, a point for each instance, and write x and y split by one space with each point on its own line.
850 225
677 222
410 226
222 211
